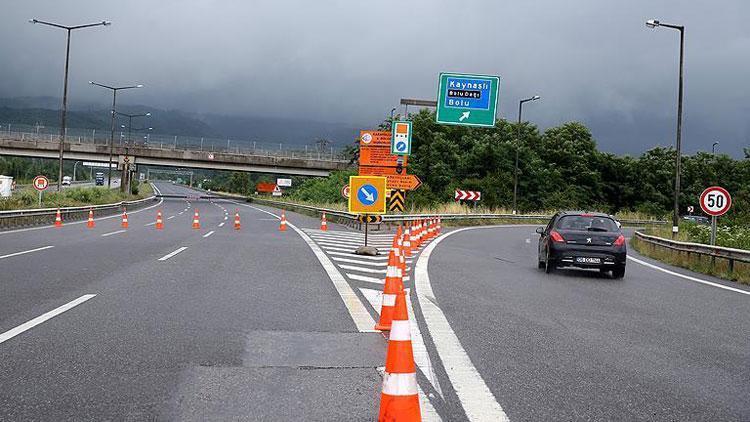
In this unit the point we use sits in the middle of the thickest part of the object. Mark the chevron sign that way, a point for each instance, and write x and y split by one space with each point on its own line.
467 195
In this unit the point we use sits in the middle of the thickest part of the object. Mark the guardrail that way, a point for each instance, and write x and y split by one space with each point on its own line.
42 216
411 217
730 254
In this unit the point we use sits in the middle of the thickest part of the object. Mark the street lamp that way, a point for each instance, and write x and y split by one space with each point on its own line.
653 24
713 147
518 140
112 133
130 121
65 84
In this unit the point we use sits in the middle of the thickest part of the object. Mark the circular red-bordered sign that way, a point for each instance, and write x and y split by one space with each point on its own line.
345 191
40 183
715 201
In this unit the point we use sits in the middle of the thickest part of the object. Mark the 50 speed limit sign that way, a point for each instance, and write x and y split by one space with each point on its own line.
715 201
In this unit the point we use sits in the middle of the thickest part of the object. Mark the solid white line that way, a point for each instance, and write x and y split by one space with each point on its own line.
362 269
221 224
687 277
41 318
361 316
25 252
365 278
171 254
208 234
114 232
475 397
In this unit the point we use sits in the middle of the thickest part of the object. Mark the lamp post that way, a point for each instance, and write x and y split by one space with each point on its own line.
713 148
653 24
112 133
65 84
130 121
518 141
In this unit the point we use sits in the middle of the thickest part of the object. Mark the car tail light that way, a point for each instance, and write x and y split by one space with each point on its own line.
620 241
557 237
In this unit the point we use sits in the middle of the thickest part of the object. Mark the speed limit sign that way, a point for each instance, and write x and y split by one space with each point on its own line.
715 201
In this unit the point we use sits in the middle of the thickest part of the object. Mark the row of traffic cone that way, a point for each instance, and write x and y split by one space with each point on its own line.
90 223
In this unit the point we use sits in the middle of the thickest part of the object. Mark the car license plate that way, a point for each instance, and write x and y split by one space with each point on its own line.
588 260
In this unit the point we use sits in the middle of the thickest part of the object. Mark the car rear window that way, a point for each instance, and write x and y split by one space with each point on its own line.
586 223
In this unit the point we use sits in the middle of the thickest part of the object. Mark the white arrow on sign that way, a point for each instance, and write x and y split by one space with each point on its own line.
367 194
464 116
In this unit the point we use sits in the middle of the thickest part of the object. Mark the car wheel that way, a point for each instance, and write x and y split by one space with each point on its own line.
618 272
549 265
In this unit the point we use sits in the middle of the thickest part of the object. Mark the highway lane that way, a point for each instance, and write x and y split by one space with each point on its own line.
575 345
241 324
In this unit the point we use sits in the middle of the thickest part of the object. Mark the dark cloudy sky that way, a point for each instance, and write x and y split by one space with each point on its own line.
351 61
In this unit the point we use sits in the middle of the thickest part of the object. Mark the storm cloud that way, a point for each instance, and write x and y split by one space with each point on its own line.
351 61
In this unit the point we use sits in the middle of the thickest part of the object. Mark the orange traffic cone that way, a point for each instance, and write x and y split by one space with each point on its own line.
430 229
124 224
236 220
90 223
58 219
396 249
393 285
407 243
399 400
402 253
439 225
323 223
159 222
196 220
414 237
282 226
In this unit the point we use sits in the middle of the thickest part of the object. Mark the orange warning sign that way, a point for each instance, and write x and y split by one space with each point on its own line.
375 149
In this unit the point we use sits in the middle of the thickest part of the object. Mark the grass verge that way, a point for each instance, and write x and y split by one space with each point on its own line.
694 262
73 197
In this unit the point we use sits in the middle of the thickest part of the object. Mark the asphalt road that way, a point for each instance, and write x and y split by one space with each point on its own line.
218 324
240 325
574 345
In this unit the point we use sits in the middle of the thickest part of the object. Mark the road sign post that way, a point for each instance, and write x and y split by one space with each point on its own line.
467 99
715 201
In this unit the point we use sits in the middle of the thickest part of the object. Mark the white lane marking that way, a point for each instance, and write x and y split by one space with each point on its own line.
362 269
365 278
181 212
381 264
226 218
221 224
687 277
361 316
268 219
171 254
340 233
114 232
25 252
208 234
41 318
149 224
170 217
84 221
421 356
353 245
349 251
476 398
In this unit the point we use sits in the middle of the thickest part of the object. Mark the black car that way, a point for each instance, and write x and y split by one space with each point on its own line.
582 240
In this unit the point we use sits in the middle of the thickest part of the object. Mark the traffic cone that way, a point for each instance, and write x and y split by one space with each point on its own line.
282 226
439 226
90 223
430 229
196 220
402 254
124 219
393 285
407 243
396 250
323 223
399 400
236 220
414 237
159 222
58 219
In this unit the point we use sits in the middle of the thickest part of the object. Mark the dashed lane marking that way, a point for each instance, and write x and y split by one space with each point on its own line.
170 217
42 318
114 232
476 398
173 253
25 252
208 234
221 224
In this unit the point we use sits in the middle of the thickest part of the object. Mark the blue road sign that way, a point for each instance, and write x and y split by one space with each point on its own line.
367 194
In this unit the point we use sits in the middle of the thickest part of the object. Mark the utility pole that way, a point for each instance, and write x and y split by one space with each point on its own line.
518 141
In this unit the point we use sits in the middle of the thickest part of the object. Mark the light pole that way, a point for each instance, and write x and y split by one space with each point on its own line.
112 133
653 24
130 121
713 148
518 141
74 170
65 84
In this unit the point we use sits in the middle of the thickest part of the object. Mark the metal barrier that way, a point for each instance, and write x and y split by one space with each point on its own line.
42 216
730 254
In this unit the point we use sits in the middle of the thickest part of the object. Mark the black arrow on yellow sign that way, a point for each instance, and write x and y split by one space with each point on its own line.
397 200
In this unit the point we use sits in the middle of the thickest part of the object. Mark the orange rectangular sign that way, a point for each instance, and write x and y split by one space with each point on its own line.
378 156
394 180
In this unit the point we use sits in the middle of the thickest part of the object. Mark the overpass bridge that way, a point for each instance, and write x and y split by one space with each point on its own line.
300 163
